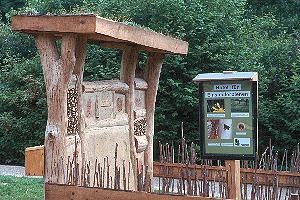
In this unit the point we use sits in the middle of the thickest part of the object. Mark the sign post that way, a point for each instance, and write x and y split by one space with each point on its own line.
228 120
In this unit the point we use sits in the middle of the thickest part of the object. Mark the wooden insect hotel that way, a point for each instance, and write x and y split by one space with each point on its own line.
100 133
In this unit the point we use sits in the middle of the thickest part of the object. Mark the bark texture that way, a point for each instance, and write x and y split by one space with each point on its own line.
128 67
152 74
58 70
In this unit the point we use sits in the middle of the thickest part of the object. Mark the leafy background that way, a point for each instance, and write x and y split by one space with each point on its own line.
242 35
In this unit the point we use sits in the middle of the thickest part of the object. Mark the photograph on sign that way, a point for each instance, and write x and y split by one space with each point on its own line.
219 128
239 105
216 105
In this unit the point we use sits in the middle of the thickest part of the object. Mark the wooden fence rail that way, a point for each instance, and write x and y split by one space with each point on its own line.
284 178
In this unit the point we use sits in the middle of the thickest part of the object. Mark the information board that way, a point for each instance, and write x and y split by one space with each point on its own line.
228 119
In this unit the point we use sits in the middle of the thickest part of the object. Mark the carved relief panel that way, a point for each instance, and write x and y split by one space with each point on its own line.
105 107
89 105
119 103
104 101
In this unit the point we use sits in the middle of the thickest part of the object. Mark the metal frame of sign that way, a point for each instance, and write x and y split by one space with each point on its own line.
202 126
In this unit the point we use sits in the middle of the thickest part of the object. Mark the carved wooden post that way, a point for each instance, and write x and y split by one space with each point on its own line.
57 71
152 73
127 74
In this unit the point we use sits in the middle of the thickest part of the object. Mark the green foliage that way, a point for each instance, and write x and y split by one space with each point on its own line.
23 111
7 5
222 34
102 64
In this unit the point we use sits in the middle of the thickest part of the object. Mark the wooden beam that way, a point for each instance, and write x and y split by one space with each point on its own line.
152 74
107 30
66 192
140 36
58 24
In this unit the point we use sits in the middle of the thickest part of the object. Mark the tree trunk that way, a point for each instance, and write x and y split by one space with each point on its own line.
78 72
152 74
57 71
129 62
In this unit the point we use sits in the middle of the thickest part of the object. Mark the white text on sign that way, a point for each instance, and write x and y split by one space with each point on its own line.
227 94
228 87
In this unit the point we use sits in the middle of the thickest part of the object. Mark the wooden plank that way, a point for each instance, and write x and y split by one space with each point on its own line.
99 29
67 192
140 36
34 161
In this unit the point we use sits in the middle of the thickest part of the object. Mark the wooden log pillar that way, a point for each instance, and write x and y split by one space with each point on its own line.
127 75
234 182
80 53
152 74
58 70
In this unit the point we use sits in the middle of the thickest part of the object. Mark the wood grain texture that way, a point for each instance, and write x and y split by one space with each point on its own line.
100 29
234 182
66 192
34 161
105 85
80 55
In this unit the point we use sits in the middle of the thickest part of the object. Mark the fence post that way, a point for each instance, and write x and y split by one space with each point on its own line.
234 182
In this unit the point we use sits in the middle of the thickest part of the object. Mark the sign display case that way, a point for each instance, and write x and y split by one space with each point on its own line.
228 115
